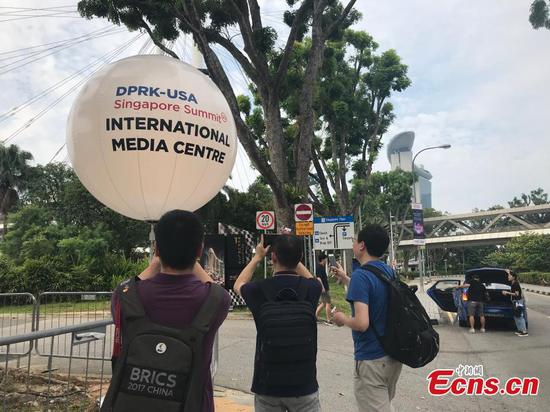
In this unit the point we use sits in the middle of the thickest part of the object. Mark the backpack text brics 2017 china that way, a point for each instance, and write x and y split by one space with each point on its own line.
160 368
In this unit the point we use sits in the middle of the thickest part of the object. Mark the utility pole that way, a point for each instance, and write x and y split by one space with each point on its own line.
392 249
420 264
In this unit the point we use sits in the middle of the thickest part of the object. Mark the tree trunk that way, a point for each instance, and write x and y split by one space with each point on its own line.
283 213
5 221
274 136
307 115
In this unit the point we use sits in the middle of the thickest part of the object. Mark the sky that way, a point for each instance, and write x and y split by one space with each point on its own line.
480 82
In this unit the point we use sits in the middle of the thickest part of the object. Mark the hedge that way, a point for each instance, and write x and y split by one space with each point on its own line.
535 278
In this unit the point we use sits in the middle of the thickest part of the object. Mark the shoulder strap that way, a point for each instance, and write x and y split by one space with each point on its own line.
379 273
382 276
130 303
209 309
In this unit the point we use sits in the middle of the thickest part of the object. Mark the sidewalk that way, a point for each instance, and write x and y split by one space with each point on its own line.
542 290
431 307
231 400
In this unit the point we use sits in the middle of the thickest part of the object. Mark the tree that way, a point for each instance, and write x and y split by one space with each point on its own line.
535 198
388 193
56 188
524 253
14 171
355 92
212 25
540 14
237 208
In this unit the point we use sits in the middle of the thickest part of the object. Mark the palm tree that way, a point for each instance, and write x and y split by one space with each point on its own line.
14 172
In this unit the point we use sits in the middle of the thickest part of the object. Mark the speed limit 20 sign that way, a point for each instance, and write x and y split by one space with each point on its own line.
265 220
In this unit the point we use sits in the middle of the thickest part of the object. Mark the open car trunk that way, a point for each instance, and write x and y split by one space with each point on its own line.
496 298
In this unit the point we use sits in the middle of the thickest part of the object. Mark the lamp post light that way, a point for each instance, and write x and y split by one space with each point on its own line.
420 251
392 248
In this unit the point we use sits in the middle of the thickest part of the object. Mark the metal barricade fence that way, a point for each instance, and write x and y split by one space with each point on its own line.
17 316
60 309
51 326
60 384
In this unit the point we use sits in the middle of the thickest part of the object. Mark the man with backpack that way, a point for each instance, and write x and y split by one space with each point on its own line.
285 374
165 325
376 373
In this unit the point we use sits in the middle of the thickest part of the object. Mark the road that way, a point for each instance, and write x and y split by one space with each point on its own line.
502 354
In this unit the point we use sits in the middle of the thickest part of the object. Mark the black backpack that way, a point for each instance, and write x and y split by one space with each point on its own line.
287 337
160 368
409 336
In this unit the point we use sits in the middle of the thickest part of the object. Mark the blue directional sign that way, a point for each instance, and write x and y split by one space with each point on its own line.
333 232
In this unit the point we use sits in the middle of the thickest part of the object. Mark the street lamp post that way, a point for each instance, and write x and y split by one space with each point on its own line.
392 249
420 252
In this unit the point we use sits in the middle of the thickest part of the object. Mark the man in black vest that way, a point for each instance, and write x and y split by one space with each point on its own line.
286 344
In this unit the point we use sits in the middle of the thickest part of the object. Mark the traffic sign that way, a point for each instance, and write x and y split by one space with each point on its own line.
303 212
304 228
265 220
333 232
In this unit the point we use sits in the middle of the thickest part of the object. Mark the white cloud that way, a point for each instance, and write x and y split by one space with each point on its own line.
480 82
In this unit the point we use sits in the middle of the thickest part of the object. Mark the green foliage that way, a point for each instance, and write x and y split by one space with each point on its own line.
236 208
535 278
540 14
524 253
387 193
56 188
118 268
10 281
14 176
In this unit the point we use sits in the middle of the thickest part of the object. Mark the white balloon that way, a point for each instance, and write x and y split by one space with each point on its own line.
149 134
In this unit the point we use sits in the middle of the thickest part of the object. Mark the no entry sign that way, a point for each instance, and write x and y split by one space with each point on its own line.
265 220
303 212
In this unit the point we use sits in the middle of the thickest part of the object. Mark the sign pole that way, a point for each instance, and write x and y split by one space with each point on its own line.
152 242
265 259
312 255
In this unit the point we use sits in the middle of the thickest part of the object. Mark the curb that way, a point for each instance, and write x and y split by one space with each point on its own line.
540 292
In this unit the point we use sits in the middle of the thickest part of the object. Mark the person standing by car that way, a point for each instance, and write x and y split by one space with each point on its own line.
477 295
516 295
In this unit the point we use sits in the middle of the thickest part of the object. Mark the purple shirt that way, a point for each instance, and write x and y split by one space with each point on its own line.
173 301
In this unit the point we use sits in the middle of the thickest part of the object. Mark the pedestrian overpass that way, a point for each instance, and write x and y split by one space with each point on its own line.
492 227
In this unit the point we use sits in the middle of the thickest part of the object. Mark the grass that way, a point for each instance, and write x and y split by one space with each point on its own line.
59 307
338 297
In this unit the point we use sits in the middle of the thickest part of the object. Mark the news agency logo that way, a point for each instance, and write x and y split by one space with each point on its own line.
160 348
468 380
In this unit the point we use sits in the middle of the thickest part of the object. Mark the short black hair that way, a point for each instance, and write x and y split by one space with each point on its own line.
322 256
513 274
288 249
375 238
179 236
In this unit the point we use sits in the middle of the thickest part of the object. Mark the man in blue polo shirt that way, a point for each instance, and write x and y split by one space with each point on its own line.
376 373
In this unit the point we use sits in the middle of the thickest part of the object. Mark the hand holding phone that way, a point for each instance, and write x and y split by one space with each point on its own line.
332 260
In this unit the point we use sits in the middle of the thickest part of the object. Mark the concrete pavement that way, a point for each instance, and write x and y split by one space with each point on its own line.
542 290
431 307
502 354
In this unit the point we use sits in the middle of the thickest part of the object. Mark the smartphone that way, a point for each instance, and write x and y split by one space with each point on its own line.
331 260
